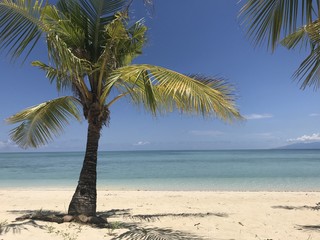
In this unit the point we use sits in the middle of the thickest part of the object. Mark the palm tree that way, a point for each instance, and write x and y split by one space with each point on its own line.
290 23
91 47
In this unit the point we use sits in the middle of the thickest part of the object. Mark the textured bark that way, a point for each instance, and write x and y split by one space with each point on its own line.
85 197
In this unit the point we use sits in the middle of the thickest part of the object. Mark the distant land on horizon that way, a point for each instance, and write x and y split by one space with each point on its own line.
297 146
311 145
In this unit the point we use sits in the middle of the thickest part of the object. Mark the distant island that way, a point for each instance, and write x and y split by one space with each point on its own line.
310 145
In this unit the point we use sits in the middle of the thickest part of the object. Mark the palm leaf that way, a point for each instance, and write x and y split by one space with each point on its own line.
309 70
98 14
121 47
98 8
65 80
163 90
40 123
269 20
298 37
20 26
66 26
65 59
62 78
133 46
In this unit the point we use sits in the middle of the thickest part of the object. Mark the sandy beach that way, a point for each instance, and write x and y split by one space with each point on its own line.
167 215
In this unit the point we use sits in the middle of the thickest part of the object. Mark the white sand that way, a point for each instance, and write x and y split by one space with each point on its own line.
172 215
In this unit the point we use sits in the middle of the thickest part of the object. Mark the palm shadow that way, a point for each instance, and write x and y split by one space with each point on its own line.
38 211
114 213
18 227
41 215
135 231
22 223
153 217
125 213
138 233
305 207
311 227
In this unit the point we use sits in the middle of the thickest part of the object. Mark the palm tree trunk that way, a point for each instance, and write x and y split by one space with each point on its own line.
84 200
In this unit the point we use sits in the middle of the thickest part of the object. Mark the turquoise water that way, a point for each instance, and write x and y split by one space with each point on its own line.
245 170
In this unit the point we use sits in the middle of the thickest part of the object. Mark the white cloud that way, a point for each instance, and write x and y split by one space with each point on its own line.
314 115
206 133
315 137
255 116
141 143
265 135
8 144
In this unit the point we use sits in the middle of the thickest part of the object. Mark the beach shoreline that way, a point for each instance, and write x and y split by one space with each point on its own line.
187 214
154 189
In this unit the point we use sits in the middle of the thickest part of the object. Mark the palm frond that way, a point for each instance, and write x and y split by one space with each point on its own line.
164 90
64 79
309 70
270 20
39 124
65 59
298 37
121 47
312 30
20 26
134 46
66 25
99 13
124 43
97 8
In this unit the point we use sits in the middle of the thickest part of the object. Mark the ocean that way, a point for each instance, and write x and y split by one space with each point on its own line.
230 170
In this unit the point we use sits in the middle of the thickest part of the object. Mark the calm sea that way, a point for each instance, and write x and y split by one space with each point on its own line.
245 170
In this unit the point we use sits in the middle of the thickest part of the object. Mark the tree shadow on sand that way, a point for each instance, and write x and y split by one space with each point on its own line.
39 211
134 230
28 219
18 227
308 227
156 234
305 207
41 215
125 213
114 213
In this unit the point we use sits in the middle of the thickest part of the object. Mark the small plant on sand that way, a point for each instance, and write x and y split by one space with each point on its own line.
70 233
50 229
113 226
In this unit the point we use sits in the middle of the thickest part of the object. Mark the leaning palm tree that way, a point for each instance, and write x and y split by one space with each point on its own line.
91 46
291 23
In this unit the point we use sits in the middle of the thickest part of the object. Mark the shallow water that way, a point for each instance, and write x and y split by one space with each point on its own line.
243 170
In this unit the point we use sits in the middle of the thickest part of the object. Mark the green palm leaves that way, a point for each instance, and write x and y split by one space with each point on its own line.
268 20
90 48
289 22
20 25
163 90
40 123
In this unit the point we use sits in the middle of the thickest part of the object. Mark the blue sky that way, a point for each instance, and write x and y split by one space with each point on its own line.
192 37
